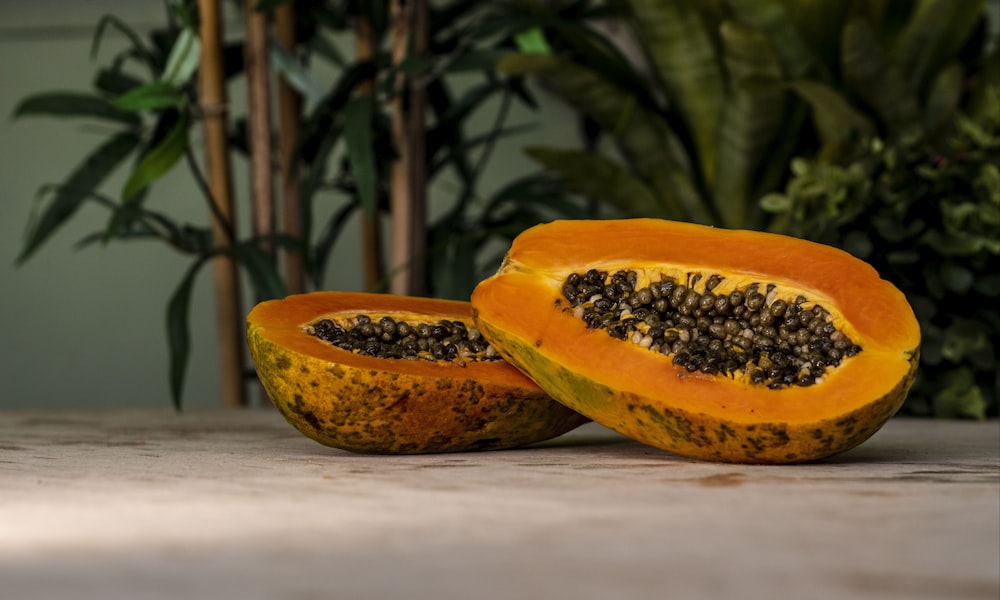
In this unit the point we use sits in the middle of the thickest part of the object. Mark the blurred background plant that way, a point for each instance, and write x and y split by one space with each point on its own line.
395 119
870 125
687 110
925 212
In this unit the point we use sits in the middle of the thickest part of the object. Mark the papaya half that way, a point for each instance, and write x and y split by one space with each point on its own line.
382 374
723 345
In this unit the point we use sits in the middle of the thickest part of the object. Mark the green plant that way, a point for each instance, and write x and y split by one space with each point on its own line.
702 118
925 212
149 98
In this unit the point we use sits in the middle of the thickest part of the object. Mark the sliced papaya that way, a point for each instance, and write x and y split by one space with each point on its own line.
376 373
714 344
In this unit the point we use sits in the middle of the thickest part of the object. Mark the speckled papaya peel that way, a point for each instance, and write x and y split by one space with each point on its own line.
730 404
349 400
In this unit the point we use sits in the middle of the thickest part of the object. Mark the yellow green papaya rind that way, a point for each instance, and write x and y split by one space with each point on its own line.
365 409
697 435
641 394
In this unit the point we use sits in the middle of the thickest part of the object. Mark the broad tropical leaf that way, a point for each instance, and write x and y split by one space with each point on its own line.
880 83
772 19
752 116
836 120
645 140
600 178
678 45
932 37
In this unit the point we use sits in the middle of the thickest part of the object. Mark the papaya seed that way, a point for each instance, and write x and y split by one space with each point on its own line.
388 338
762 337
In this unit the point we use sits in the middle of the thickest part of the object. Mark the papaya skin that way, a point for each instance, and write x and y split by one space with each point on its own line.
383 406
641 394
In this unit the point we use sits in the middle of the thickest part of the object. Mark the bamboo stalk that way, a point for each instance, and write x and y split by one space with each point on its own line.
371 234
229 316
290 118
259 122
408 194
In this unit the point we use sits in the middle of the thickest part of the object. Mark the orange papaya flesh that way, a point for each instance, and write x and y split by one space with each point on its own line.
353 401
642 394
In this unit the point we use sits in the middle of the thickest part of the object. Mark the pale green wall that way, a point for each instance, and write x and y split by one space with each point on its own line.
86 328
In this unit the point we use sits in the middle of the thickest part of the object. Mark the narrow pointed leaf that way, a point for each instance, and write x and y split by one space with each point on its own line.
77 187
264 276
598 177
112 80
681 49
294 72
751 118
183 59
158 160
73 105
179 331
158 94
138 47
532 41
328 238
359 138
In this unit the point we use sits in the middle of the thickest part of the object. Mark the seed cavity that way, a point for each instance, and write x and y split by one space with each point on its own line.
752 333
385 337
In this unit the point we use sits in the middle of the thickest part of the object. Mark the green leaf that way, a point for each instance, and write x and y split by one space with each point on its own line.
77 187
113 81
770 18
752 115
942 103
476 60
264 276
138 48
933 37
294 72
158 94
685 58
178 331
183 59
836 120
600 178
532 41
328 238
73 105
644 138
159 159
358 113
877 81
959 397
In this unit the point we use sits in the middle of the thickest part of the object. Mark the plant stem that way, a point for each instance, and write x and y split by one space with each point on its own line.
229 315
259 123
409 191
371 234
290 118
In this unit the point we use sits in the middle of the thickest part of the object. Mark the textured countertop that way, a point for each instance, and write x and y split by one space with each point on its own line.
220 504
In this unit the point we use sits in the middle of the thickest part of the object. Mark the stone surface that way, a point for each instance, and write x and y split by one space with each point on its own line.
149 504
